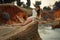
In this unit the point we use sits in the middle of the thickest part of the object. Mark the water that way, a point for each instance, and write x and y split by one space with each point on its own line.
47 33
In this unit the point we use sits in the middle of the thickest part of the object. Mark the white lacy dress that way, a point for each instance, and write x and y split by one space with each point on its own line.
34 15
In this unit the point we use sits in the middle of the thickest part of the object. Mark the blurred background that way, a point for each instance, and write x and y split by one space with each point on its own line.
50 11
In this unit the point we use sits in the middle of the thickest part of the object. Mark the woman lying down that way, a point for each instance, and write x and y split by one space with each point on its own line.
34 17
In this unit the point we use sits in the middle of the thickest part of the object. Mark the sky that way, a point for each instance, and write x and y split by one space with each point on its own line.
43 3
48 3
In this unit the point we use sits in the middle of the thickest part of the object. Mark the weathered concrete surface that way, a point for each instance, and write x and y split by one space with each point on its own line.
27 32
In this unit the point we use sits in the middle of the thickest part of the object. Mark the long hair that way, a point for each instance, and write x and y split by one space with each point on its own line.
38 11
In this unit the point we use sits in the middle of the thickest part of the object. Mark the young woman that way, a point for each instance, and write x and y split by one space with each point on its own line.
35 15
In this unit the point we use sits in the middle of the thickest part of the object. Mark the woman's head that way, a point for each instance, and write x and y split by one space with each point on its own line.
37 8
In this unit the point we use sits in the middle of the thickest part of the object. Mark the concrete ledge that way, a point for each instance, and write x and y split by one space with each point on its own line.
27 32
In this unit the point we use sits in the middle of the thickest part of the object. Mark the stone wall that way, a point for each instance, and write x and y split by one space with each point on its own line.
31 33
27 32
12 10
57 13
